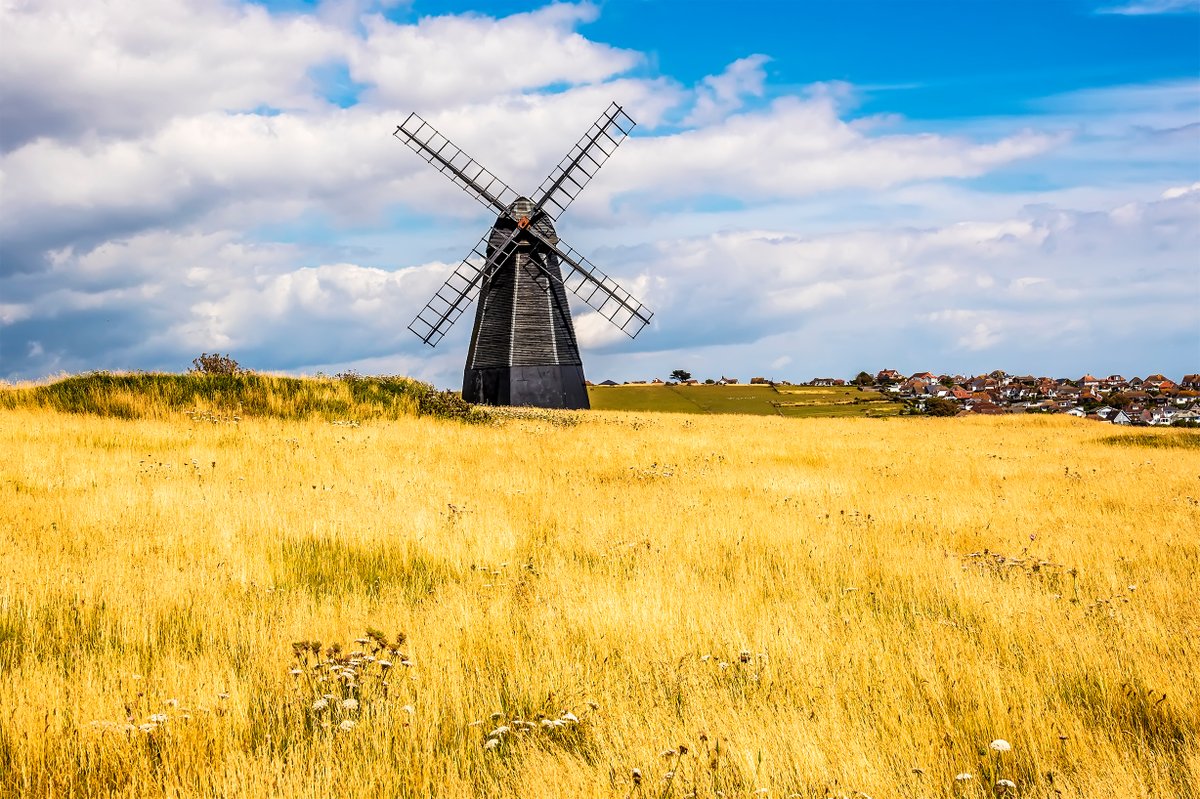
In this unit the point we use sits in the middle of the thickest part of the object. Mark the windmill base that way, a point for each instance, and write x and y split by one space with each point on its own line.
550 386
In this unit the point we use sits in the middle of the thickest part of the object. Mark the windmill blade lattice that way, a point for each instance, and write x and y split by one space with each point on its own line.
598 290
460 290
463 170
581 164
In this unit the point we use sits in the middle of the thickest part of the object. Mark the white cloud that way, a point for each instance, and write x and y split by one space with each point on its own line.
174 180
1144 7
718 95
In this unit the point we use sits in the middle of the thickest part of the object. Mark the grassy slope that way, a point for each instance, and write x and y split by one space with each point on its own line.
754 400
138 395
557 560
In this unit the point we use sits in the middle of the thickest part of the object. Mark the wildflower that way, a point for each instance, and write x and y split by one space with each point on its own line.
410 710
1000 745
670 775
499 732
637 776
350 704
159 718
222 696
491 743
570 718
296 672
1004 786
667 753
497 716
348 724
171 703
147 728
320 704
964 777
593 705
385 664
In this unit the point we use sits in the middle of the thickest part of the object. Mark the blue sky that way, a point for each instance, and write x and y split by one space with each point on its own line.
813 188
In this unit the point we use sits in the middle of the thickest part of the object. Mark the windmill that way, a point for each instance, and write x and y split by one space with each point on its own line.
523 347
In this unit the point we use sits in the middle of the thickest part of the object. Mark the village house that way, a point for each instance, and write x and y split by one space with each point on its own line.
888 376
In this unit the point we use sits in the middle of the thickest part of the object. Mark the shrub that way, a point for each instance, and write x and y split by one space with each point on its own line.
215 364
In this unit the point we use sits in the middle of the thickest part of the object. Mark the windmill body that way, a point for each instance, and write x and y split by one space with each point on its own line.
523 346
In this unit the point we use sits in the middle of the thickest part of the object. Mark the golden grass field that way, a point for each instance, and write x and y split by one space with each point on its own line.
822 607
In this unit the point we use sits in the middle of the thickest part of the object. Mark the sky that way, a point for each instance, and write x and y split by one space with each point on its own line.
812 189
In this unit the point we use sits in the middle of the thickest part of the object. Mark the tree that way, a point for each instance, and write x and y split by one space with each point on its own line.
940 406
215 364
680 375
863 379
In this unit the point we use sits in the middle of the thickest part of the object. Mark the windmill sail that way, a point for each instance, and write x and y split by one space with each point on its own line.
584 160
463 170
461 288
600 291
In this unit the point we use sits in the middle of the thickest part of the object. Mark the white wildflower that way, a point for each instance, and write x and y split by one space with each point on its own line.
320 704
348 724
159 718
410 710
570 718
963 777
1000 745
350 704
491 743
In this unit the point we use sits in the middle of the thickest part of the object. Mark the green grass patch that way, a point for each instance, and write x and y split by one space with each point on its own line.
328 567
1162 439
757 400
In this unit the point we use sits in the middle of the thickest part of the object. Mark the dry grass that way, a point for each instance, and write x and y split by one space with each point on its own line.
811 608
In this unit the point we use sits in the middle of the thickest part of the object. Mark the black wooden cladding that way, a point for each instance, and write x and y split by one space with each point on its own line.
523 318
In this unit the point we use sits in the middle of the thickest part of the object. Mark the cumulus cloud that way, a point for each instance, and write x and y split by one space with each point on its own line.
175 178
718 95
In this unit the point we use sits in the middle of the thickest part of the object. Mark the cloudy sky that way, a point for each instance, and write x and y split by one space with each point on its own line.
812 188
